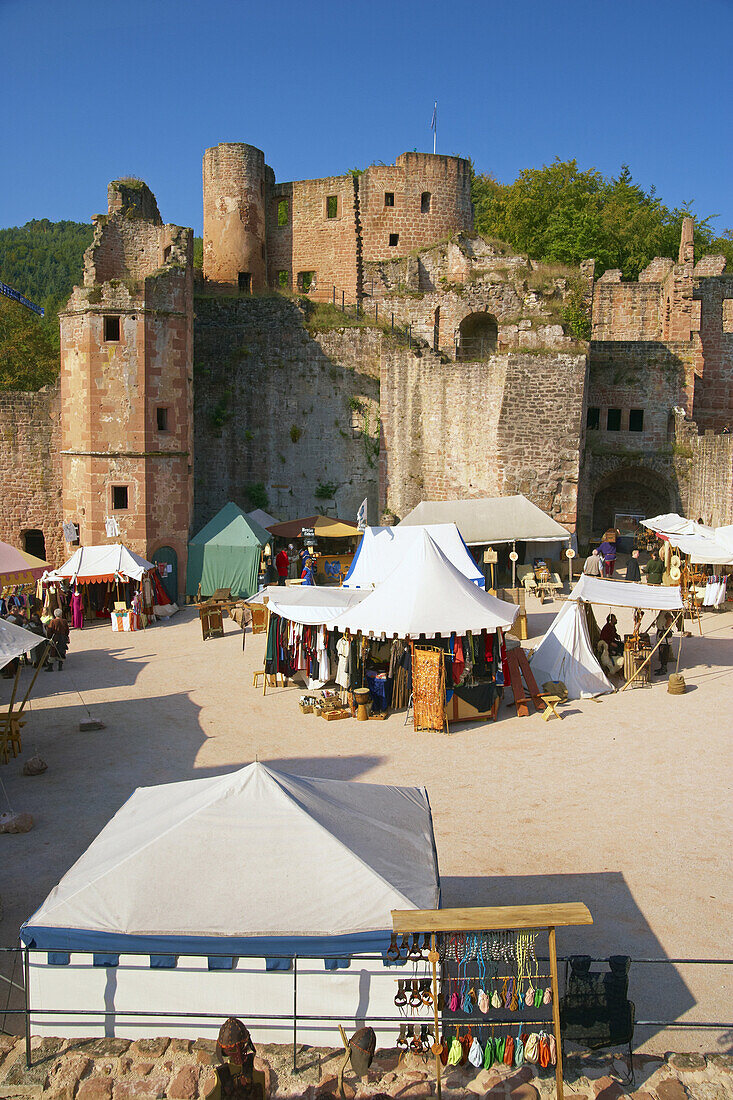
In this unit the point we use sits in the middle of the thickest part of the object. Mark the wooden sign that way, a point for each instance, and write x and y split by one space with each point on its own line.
490 557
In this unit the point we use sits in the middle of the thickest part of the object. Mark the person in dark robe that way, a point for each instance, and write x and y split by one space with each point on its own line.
633 572
611 637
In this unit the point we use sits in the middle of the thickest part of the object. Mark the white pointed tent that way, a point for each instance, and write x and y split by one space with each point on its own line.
251 863
382 549
427 595
565 653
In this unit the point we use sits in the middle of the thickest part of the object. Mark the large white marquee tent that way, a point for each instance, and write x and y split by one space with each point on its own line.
245 871
383 549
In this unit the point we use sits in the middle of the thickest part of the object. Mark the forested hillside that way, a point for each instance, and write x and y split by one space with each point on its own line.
560 214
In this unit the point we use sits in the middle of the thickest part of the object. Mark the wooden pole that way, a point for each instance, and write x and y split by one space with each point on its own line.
433 956
644 662
556 1014
35 677
267 635
15 688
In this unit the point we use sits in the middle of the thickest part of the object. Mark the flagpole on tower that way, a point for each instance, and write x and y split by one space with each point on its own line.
434 126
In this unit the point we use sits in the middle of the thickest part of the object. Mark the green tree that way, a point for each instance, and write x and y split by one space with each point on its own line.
29 358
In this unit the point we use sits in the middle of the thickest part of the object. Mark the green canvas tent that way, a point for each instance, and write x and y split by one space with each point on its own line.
226 554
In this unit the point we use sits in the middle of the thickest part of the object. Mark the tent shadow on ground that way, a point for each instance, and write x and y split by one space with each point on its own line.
619 928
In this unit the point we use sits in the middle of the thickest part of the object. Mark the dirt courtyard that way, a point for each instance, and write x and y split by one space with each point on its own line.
624 805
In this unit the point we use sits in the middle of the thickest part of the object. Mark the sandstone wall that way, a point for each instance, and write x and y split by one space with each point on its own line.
30 470
235 182
313 242
509 425
713 401
709 481
275 406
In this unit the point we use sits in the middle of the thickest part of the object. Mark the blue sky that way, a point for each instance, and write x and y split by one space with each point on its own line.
95 89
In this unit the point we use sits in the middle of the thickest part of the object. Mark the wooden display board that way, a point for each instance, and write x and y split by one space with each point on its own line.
540 918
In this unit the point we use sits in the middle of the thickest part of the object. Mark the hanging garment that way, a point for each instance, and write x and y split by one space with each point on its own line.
343 649
77 611
455 1053
459 661
475 1054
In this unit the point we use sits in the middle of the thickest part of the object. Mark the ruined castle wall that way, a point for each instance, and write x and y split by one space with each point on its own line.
447 182
311 241
713 400
477 429
126 251
709 481
30 469
626 311
650 376
278 407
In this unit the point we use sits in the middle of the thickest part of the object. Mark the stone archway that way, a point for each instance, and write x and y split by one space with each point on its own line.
630 489
477 336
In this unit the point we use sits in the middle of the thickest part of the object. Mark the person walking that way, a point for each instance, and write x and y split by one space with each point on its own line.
593 566
58 632
282 564
608 551
654 569
633 573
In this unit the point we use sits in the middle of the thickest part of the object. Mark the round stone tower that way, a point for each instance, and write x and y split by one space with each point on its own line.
235 239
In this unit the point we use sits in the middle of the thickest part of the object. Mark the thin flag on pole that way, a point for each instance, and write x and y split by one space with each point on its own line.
434 125
361 515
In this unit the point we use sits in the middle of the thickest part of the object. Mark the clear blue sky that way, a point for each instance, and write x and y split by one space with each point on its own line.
96 89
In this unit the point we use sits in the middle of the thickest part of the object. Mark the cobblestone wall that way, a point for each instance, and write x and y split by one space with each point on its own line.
30 469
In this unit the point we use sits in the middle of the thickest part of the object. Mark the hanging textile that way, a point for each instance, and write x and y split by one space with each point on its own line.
428 688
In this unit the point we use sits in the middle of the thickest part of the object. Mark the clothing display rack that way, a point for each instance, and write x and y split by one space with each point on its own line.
480 923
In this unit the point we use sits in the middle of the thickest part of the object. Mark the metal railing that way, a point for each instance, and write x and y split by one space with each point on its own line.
295 1017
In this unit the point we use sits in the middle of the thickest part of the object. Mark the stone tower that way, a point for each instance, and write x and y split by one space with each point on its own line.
126 383
235 181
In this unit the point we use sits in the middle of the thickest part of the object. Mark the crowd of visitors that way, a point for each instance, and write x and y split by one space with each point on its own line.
27 612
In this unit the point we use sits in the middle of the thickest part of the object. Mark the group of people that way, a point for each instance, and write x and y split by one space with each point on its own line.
601 562
290 564
55 631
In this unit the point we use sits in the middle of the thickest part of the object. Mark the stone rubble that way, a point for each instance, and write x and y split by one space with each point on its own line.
151 1069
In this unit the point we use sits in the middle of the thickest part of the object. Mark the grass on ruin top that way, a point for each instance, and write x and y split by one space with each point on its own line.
326 317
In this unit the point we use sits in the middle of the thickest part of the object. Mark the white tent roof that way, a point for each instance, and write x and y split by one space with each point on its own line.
671 523
427 595
649 597
102 562
259 515
15 640
490 519
383 548
565 653
253 853
704 545
308 603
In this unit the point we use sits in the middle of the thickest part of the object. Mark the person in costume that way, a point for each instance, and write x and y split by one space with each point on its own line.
236 1077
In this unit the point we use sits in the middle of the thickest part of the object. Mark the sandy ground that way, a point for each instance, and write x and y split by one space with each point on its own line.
624 805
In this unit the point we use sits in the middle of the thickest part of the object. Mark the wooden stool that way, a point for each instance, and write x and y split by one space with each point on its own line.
271 680
551 702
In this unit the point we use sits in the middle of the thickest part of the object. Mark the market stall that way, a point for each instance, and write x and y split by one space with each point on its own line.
567 653
278 895
427 606
697 557
226 554
112 582
19 573
333 542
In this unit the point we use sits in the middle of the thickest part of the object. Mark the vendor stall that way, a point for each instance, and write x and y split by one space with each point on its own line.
112 582
567 653
333 542
424 598
278 895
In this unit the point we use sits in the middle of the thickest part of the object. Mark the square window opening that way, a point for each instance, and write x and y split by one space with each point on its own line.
593 419
332 206
389 198
283 279
636 420
161 416
283 212
119 498
111 328
394 240
167 253
613 420
244 281
425 202
306 280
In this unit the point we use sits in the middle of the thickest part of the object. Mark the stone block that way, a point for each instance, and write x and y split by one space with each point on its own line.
180 1046
95 1088
687 1063
721 1062
141 1088
149 1048
185 1083
671 1089
607 1088
103 1048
